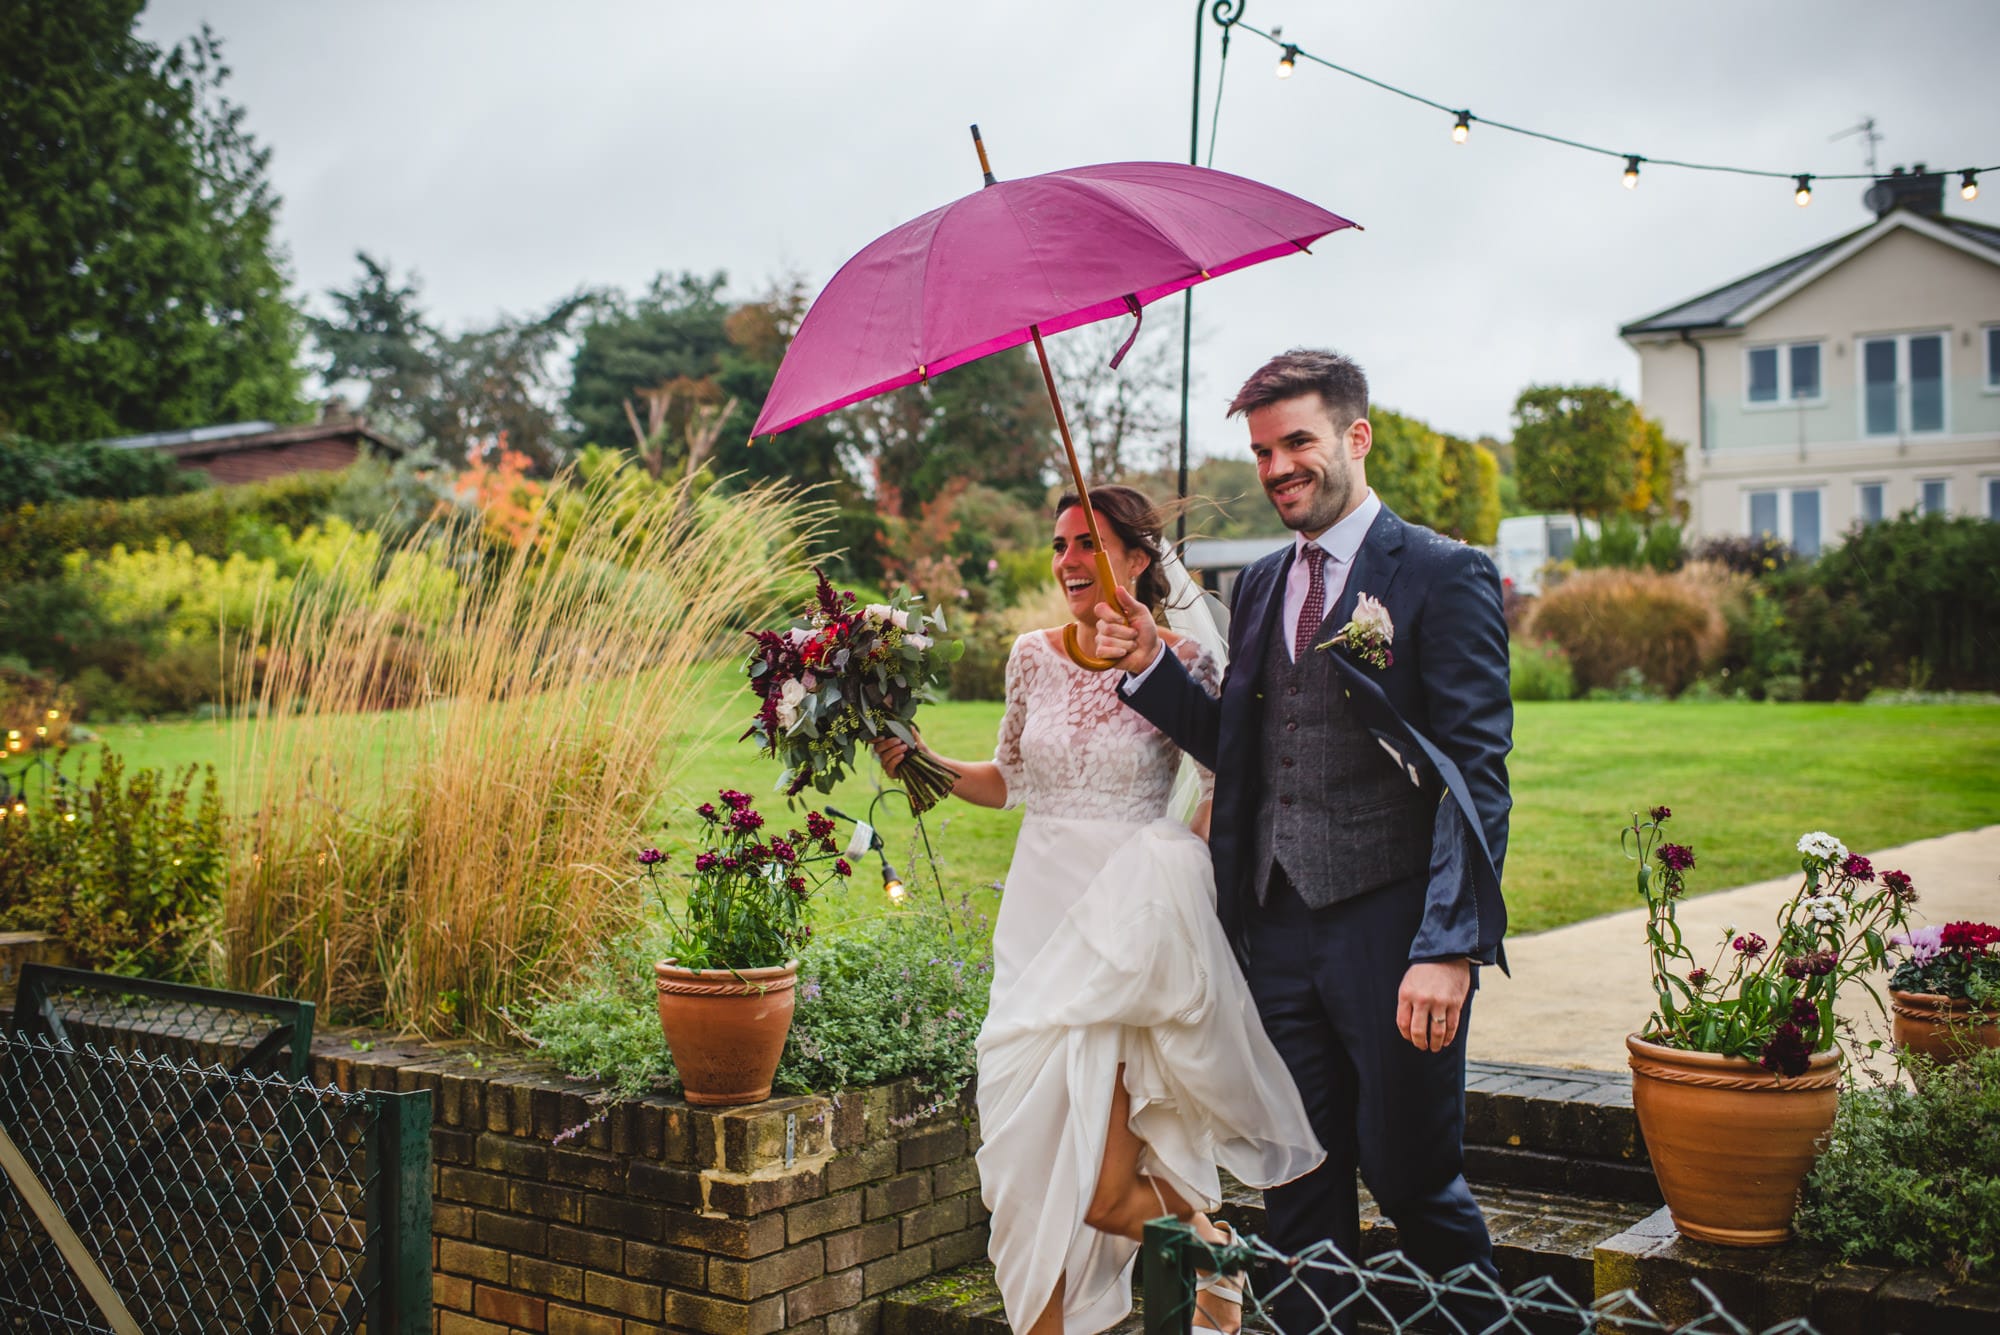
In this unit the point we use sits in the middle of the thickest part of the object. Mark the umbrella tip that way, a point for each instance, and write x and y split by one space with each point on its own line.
985 167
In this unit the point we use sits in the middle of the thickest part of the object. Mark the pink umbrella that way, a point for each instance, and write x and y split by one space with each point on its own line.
1021 259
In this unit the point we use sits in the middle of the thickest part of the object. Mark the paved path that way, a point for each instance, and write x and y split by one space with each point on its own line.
1578 990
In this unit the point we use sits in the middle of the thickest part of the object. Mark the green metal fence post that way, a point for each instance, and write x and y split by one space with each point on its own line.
403 1250
1166 1277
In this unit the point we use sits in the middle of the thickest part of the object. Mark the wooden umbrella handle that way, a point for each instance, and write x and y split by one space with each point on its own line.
1107 588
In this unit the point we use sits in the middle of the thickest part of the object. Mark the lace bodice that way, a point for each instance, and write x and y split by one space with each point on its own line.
1070 747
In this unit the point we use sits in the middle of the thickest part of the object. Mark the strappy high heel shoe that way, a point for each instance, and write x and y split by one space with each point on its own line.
1226 1286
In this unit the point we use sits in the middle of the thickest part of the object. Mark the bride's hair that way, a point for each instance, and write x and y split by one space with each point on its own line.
1140 526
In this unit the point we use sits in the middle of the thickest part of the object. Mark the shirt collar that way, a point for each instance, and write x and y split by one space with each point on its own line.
1343 541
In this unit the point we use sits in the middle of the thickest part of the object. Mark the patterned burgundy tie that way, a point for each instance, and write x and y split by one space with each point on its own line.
1314 608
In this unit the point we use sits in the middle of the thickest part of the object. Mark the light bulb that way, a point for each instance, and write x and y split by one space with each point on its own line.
1631 172
1462 128
1969 186
1803 195
1286 61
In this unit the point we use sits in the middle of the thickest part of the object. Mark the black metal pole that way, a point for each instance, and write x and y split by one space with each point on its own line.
1187 297
1224 12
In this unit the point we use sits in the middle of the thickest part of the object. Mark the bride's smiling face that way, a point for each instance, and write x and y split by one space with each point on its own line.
1075 565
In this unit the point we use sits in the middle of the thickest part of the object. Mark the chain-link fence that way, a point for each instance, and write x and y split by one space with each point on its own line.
1319 1290
153 1194
239 1031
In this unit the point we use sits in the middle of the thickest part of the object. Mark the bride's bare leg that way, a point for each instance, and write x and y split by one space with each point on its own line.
1125 1199
1050 1322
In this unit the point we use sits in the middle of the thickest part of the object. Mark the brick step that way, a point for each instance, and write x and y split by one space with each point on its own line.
1536 1234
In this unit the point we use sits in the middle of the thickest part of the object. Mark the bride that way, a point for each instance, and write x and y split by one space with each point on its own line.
1122 1060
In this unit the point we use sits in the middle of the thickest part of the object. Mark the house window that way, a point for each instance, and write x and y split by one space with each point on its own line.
1992 333
1993 498
1786 373
1562 539
1805 523
1902 384
1935 497
1791 515
1868 502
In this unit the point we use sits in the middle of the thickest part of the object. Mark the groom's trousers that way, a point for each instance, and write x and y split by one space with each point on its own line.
1326 981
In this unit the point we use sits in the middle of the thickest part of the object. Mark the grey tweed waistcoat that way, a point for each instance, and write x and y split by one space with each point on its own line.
1336 813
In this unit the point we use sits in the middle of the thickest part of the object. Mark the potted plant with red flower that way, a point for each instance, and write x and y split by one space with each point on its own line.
1736 1076
726 988
1945 991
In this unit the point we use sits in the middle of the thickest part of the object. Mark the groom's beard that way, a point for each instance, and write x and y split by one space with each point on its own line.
1325 502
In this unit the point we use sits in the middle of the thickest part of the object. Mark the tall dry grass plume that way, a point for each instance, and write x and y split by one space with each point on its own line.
449 759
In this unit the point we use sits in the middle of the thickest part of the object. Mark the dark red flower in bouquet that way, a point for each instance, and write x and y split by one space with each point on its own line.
1750 944
1697 977
746 820
1857 868
707 812
734 800
1661 813
1804 1013
842 867
650 856
1676 857
817 826
1899 885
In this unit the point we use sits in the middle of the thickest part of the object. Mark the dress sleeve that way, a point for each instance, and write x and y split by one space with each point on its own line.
1007 752
1206 673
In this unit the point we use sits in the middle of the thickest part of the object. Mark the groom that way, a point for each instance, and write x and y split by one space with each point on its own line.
1360 816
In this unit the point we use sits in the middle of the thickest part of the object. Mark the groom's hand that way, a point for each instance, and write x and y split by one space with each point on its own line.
1430 1002
1126 633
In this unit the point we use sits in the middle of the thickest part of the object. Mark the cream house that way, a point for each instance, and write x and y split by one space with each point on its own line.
1843 385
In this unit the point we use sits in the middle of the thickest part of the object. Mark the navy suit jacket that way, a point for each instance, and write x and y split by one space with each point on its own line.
1442 707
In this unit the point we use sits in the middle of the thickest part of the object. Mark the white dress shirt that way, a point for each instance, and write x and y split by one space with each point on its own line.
1341 543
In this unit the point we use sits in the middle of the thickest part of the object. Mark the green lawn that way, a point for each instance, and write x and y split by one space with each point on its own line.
1744 780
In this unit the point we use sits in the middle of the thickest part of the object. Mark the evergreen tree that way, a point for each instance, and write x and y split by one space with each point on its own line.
144 288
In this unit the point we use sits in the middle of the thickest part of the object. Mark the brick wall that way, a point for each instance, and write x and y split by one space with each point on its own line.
795 1214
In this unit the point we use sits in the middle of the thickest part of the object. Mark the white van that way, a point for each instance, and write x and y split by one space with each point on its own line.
1527 543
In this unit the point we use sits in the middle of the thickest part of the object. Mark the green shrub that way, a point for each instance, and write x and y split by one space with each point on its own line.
1912 1177
1913 597
1539 670
896 997
127 870
34 539
981 673
32 473
1610 621
1760 657
1623 545
1758 557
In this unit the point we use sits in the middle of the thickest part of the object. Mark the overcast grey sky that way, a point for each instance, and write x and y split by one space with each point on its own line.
511 152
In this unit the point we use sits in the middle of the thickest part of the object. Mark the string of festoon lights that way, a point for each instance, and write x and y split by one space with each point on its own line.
1291 54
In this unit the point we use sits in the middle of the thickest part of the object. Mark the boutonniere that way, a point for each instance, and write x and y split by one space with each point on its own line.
1367 635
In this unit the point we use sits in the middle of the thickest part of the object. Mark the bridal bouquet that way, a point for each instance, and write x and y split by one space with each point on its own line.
842 676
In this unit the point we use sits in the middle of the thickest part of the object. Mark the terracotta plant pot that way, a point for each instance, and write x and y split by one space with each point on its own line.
1944 1029
726 1028
1730 1141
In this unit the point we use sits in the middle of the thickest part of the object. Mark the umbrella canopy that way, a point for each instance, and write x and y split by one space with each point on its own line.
1044 253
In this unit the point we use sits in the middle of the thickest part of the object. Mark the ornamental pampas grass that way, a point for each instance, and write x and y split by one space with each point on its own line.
428 868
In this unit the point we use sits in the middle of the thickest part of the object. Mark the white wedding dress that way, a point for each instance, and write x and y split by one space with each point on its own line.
1108 951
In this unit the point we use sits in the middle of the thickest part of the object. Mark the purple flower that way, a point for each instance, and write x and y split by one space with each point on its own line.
1857 867
1805 1013
1696 977
1898 884
1798 966
734 800
1924 943
1676 857
650 856
783 851
744 819
817 826
842 867
707 812
1661 813
796 884
1751 945
705 861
